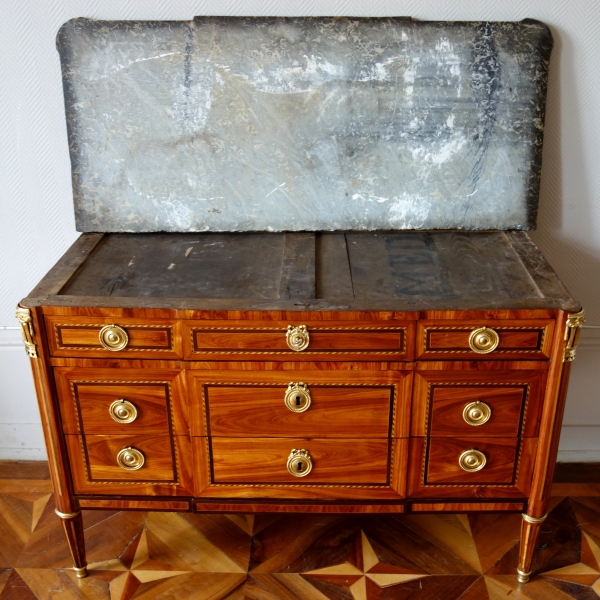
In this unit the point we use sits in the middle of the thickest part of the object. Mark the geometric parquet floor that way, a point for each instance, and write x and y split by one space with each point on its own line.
180 556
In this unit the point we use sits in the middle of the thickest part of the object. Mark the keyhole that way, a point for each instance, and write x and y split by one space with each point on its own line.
298 400
300 466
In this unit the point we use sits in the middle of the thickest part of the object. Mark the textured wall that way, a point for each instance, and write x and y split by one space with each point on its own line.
36 214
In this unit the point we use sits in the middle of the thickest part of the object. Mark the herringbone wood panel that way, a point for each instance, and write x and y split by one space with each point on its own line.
135 556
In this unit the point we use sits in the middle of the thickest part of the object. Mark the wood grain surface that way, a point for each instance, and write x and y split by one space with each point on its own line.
260 460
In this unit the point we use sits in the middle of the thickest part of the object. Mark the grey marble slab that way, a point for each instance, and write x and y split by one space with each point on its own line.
288 124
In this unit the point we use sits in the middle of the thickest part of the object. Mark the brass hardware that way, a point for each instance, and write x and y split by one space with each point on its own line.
522 577
130 459
297 338
533 520
24 316
477 413
483 340
299 463
81 572
123 411
574 323
63 515
113 337
297 397
472 460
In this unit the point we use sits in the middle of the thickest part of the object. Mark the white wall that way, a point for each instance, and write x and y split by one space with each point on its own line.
36 218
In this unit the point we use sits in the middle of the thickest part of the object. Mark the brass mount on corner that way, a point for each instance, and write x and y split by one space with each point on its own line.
24 317
572 332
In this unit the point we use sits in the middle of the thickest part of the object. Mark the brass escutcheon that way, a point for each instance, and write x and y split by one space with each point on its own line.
299 463
130 459
297 397
123 411
297 338
472 460
477 413
483 340
113 337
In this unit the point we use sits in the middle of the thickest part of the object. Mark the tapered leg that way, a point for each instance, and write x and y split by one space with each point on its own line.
529 531
73 526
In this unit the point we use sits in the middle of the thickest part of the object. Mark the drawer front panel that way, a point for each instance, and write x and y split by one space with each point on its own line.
150 402
444 401
80 336
393 341
158 453
246 411
461 410
453 339
154 401
444 457
255 460
343 403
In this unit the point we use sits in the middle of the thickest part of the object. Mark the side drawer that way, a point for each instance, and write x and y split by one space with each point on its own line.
252 460
306 340
121 401
454 399
484 339
165 469
122 337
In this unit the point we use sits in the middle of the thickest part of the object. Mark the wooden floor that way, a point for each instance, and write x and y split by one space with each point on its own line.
179 556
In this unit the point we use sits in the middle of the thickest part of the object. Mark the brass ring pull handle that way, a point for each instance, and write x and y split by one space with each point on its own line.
299 463
123 411
297 397
113 337
131 459
477 413
297 338
472 460
483 340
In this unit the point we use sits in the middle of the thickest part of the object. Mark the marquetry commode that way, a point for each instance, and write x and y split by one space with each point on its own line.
304 282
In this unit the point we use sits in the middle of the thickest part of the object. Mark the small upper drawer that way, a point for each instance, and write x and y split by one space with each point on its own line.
484 339
113 336
299 341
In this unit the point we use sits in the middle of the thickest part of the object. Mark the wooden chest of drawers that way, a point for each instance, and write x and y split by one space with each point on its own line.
324 386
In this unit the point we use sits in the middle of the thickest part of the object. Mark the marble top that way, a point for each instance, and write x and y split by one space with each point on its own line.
291 124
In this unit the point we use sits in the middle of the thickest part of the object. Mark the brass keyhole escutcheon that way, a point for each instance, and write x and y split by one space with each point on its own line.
123 411
472 460
299 463
113 337
130 459
297 397
483 340
297 338
477 413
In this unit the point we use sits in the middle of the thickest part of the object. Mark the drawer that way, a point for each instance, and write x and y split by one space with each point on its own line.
340 461
345 411
114 336
121 401
166 465
484 339
155 453
448 459
482 402
491 467
301 340
332 403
